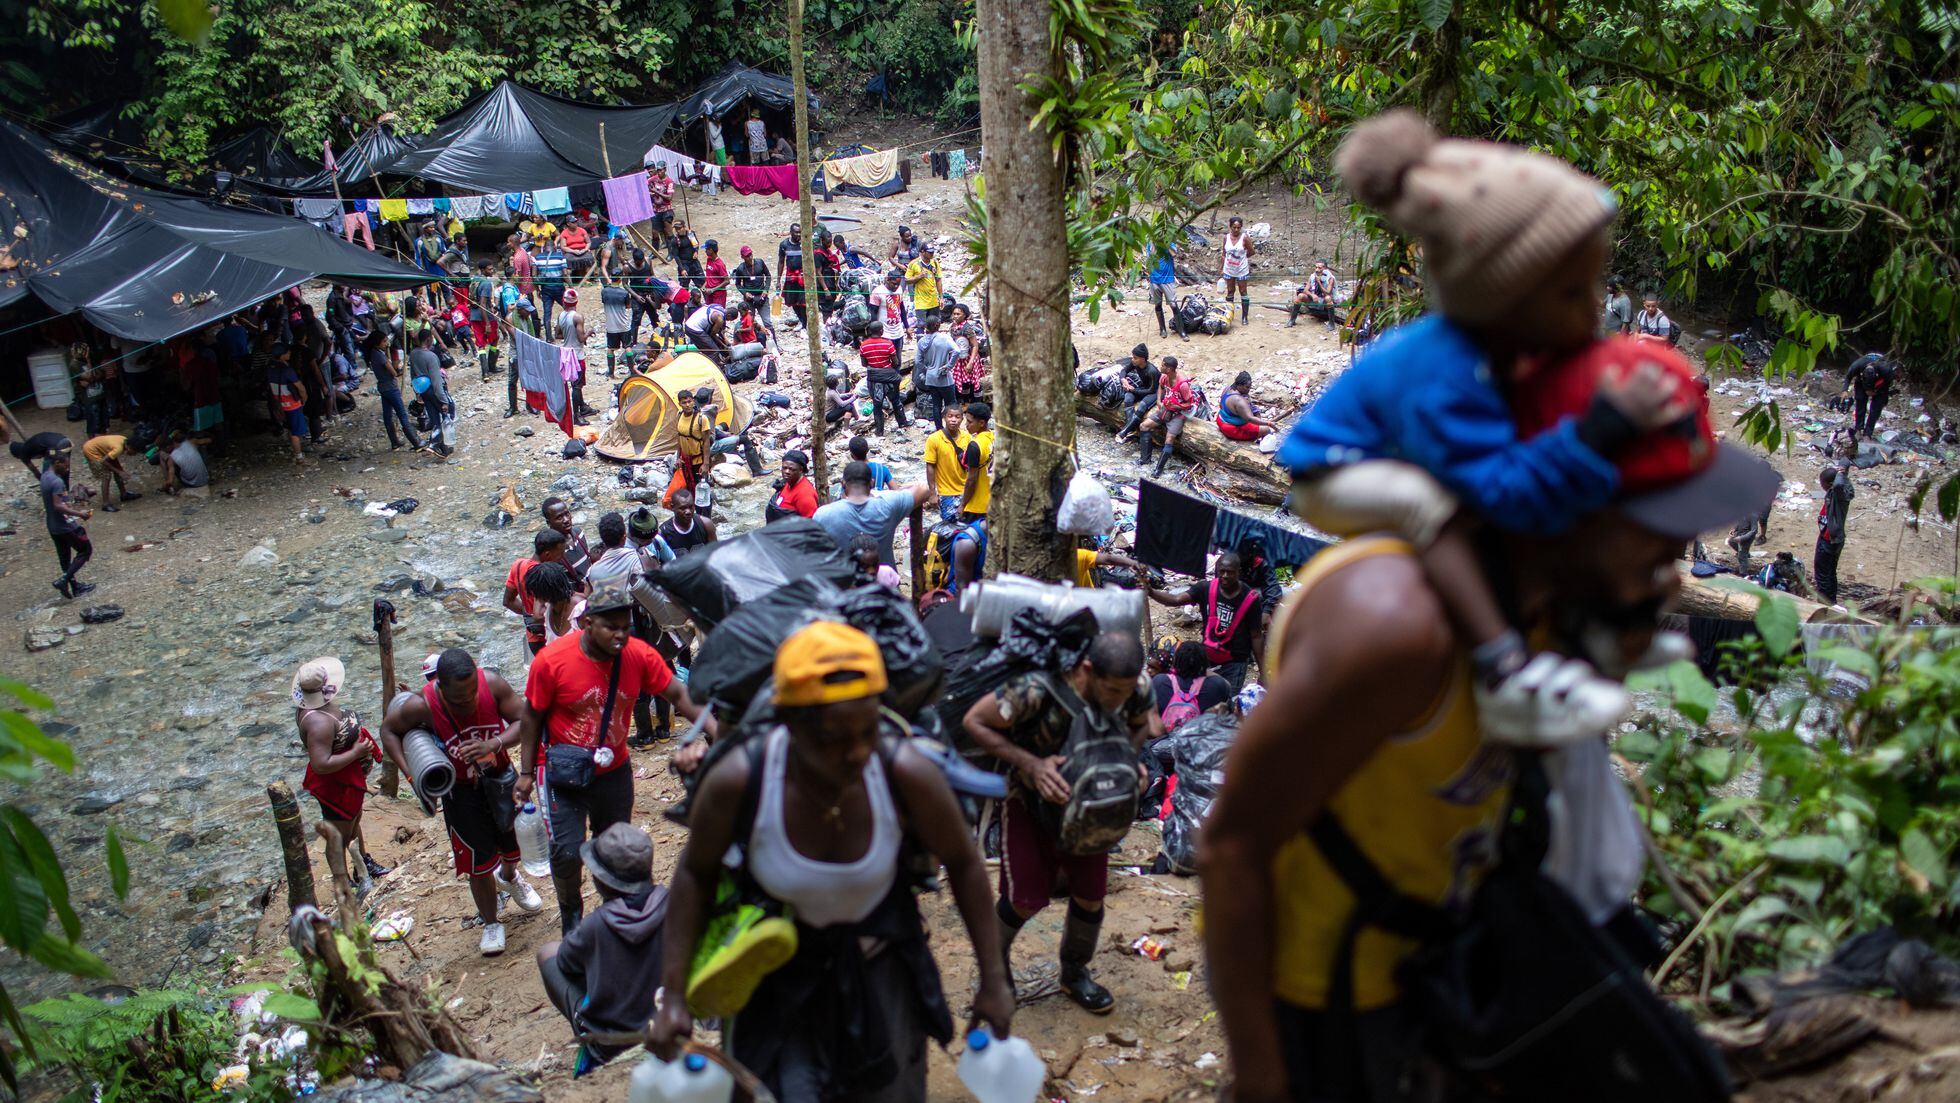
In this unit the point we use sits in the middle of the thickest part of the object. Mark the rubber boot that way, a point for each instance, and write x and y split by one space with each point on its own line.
753 456
1163 457
1010 926
1159 308
1079 936
1149 441
1245 308
611 362
571 904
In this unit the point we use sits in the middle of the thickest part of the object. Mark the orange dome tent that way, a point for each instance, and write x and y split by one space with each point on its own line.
649 409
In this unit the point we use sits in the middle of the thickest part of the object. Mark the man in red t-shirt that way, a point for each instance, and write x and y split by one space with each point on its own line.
584 767
548 546
474 713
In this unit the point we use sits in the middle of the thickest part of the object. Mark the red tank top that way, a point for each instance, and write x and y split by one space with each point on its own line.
344 787
484 723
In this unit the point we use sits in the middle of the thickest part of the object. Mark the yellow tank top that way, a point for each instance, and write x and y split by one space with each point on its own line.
1424 809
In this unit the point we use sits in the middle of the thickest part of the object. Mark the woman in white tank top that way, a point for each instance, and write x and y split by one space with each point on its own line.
819 809
1235 266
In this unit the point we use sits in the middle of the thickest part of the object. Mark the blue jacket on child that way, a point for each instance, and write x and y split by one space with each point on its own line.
1424 394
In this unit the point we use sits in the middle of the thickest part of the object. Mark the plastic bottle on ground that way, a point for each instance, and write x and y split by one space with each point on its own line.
692 1079
1001 1070
533 841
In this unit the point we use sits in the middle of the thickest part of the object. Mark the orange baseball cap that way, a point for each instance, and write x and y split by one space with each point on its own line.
827 662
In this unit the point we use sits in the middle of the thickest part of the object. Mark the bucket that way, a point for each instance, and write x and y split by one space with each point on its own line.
429 768
53 388
992 604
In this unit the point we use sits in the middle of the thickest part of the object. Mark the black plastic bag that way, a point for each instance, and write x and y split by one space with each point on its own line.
712 580
1032 642
913 667
738 656
1197 753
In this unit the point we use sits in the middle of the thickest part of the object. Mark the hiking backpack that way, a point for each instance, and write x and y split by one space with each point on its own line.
1183 705
1104 784
1191 310
858 315
938 554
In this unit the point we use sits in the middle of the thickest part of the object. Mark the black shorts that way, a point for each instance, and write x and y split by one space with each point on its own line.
474 841
619 340
571 812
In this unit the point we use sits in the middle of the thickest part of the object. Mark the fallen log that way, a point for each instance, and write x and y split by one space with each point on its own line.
1237 469
292 846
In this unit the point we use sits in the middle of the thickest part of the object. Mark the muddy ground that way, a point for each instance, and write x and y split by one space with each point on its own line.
179 710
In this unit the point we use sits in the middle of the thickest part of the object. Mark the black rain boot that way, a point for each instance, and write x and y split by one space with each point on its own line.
753 456
1079 936
1159 309
1010 926
1245 308
569 888
1164 457
374 868
1149 442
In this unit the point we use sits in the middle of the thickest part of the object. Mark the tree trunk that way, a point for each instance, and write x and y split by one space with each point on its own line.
1027 284
292 846
384 635
1440 79
819 468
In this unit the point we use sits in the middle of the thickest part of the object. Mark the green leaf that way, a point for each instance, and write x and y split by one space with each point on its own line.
1756 912
1694 696
112 849
286 1005
46 865
1922 854
1811 850
1638 745
23 905
1714 763
1777 622
1434 12
26 694
68 957
1949 499
35 742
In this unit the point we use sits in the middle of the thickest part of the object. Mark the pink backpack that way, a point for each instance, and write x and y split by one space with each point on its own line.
1183 704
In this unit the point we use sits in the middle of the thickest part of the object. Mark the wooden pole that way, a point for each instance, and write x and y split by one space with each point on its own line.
292 846
384 634
918 554
800 88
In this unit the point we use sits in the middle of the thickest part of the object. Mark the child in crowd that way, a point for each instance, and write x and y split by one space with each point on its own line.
1516 247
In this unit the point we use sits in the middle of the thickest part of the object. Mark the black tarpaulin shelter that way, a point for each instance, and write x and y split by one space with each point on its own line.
891 185
105 135
374 153
259 155
512 138
146 264
734 86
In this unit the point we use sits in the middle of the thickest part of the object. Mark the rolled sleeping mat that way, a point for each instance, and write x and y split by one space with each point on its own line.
992 604
429 768
747 350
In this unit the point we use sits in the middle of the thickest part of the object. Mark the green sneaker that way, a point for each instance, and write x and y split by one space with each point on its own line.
742 945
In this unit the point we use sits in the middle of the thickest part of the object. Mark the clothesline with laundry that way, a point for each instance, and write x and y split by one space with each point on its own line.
622 197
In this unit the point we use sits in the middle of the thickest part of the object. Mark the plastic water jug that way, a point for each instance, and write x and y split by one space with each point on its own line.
998 1070
533 841
692 1079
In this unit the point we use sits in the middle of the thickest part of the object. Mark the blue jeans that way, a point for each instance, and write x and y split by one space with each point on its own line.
394 413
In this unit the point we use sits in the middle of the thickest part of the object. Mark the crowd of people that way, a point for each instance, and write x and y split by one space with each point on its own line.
1503 476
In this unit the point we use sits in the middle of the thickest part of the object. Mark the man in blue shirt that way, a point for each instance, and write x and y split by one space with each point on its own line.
881 474
1163 283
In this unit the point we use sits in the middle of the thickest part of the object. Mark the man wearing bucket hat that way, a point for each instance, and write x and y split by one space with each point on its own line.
474 713
1368 659
820 804
339 750
578 708
602 977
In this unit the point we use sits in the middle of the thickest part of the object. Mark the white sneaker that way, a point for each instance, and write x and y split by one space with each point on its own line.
521 892
1552 702
492 942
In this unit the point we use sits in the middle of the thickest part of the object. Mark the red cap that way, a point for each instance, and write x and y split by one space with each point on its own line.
680 294
1679 480
571 296
747 252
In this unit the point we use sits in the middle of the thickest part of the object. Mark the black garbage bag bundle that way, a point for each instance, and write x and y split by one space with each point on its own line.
913 667
1197 751
1032 642
715 578
739 653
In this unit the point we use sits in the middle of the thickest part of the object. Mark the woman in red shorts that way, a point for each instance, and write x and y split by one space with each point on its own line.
1236 417
338 750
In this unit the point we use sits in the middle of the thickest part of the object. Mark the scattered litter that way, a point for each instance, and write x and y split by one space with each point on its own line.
404 505
1206 1061
1148 947
143 546
101 614
1181 980
394 928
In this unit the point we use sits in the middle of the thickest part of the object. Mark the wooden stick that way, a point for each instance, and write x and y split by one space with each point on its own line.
918 554
292 846
384 633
